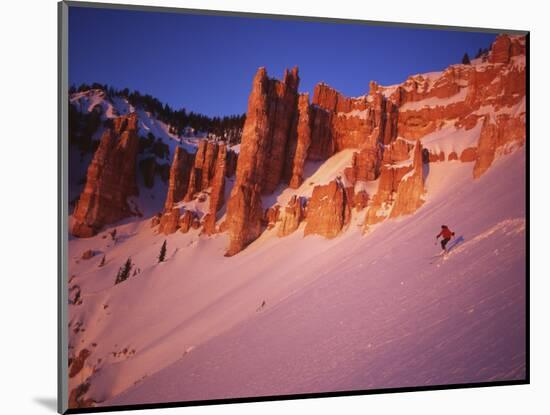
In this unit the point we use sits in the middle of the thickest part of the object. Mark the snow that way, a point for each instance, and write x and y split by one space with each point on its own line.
367 312
388 90
315 173
112 107
370 187
450 138
514 110
355 113
432 76
435 102
354 312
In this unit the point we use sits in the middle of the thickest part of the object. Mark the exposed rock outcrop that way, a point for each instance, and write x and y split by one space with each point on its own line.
360 200
110 180
328 210
271 216
321 146
169 222
299 142
217 192
292 216
468 154
495 135
410 191
244 217
179 177
283 129
270 115
186 221
203 169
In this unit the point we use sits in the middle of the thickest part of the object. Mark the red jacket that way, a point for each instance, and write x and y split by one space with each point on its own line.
446 233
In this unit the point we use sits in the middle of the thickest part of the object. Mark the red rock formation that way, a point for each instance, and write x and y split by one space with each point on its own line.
209 224
299 142
292 216
244 217
272 216
411 188
127 122
204 168
495 136
194 186
179 177
501 50
397 151
328 210
366 164
434 157
486 147
491 85
155 220
278 123
282 98
186 220
390 177
218 180
328 98
468 154
209 163
231 166
321 146
195 224
271 109
218 190
350 131
169 222
110 180
360 200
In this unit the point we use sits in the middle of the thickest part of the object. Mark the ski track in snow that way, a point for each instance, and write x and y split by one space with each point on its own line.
356 312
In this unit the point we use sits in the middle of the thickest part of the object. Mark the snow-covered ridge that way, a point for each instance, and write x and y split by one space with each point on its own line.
112 107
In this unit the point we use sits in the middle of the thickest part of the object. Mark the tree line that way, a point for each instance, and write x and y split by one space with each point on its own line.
228 127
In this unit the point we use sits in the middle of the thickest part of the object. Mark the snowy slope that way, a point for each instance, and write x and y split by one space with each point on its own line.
355 312
375 318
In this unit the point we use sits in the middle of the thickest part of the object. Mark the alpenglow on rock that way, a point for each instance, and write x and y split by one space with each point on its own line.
110 180
271 110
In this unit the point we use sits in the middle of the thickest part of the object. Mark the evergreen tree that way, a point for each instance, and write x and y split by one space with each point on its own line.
162 254
124 272
466 59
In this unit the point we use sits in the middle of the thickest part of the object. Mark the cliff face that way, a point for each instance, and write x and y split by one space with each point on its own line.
292 216
179 177
411 188
203 170
272 107
110 180
217 190
328 210
284 130
299 143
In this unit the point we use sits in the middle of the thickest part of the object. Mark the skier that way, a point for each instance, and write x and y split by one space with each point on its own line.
446 234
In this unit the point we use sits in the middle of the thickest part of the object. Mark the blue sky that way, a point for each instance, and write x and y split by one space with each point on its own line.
206 63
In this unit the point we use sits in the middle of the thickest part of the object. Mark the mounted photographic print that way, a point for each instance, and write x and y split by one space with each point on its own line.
258 207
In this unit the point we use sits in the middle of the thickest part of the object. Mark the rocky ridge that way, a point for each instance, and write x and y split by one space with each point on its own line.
392 130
